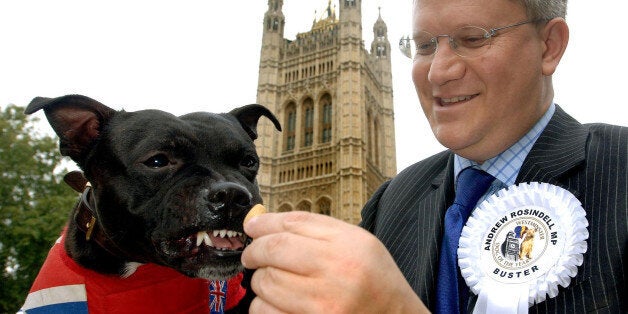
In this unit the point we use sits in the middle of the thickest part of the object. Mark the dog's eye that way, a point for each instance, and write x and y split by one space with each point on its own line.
157 161
248 162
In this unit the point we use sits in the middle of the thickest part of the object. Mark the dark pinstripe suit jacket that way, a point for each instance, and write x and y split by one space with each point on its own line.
591 161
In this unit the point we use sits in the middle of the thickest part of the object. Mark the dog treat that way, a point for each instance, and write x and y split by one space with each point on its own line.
257 210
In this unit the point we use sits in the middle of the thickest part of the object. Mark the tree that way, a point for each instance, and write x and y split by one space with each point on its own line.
34 203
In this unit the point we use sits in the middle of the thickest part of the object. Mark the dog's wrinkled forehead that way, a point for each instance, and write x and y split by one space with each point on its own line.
149 131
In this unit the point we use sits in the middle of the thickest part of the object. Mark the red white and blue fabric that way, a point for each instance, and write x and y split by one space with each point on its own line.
217 296
63 286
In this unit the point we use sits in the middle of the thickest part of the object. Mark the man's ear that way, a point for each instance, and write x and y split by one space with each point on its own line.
555 36
78 121
249 115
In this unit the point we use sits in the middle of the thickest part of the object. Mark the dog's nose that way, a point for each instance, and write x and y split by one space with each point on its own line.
229 196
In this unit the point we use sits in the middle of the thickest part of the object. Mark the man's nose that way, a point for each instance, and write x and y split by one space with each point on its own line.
445 65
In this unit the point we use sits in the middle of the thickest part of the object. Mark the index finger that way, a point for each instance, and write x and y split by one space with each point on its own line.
306 224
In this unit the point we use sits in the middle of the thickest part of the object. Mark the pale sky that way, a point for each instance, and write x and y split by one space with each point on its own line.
202 55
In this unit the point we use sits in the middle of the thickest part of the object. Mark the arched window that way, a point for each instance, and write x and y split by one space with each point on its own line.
304 206
291 124
326 118
381 51
324 207
285 208
308 122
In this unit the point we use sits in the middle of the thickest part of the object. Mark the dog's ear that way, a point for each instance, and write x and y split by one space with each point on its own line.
77 120
249 116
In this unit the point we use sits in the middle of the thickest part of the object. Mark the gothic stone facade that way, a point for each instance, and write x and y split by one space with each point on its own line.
334 100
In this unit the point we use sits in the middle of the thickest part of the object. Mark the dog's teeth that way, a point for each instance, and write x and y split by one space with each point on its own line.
206 239
199 237
226 233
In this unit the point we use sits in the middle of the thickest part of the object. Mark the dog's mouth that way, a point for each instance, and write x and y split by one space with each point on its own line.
206 243
224 240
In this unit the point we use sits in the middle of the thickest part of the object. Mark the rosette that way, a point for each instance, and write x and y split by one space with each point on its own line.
520 244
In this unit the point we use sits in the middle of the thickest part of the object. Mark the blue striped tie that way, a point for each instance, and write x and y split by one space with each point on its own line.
451 291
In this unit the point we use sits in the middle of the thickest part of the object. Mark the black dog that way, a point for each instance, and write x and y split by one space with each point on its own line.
166 190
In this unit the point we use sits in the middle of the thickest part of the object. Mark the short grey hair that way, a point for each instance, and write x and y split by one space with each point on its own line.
541 9
544 9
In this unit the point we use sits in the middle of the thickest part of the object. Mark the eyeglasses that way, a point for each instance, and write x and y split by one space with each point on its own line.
467 41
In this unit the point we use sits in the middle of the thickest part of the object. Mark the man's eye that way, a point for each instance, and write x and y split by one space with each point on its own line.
157 161
472 41
425 47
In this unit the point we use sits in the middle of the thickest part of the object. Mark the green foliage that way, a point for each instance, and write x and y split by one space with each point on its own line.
34 203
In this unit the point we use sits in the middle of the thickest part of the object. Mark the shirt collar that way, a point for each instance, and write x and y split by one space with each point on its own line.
505 166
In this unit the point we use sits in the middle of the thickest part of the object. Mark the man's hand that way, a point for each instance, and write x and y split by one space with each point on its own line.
310 263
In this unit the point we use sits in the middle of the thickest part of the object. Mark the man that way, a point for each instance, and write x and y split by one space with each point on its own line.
489 99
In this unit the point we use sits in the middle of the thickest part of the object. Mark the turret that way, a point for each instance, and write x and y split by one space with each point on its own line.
274 20
351 18
380 46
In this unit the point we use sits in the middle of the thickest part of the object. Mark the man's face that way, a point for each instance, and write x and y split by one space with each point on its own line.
479 106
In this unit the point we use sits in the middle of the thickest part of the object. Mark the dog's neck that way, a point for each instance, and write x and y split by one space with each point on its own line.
85 219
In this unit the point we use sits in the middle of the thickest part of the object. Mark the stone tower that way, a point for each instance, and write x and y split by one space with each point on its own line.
334 100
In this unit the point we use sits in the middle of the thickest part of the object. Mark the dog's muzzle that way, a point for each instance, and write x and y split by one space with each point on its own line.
218 226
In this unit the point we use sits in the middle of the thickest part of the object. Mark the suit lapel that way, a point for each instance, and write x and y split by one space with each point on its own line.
560 148
430 214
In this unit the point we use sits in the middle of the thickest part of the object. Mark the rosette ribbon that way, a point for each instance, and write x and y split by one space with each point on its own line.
520 244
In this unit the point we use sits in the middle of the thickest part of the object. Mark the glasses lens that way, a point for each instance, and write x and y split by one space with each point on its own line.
425 44
470 41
